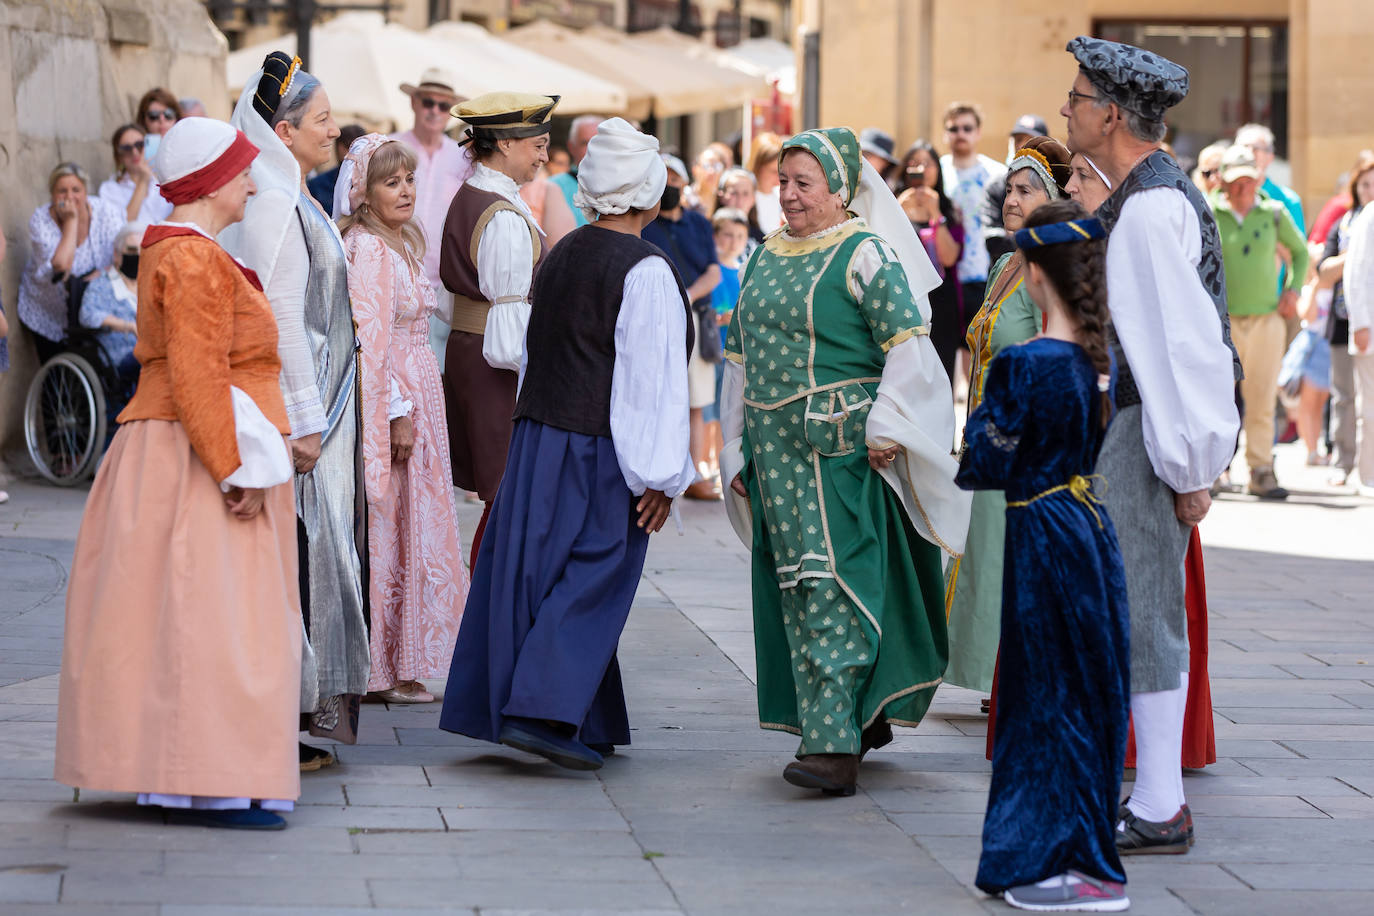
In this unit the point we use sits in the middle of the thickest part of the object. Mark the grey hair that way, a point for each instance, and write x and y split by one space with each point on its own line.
1141 128
734 173
1259 131
580 122
1035 180
124 232
68 168
292 110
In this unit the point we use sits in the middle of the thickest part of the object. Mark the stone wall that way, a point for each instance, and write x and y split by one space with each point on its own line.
71 71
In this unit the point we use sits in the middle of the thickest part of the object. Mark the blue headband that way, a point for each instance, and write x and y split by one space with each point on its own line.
1075 230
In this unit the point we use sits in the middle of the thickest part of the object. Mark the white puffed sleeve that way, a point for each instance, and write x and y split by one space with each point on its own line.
286 295
1171 334
649 403
505 272
263 459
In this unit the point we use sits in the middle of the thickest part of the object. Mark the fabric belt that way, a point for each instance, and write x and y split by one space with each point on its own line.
1080 488
469 315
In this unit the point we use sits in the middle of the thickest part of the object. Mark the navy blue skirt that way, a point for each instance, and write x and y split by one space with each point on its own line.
559 565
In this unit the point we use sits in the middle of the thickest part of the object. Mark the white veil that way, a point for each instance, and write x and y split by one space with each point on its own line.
256 240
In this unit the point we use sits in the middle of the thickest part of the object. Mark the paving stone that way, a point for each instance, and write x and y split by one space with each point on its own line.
601 896
584 795
532 819
1251 903
543 844
372 817
303 889
16 887
1308 877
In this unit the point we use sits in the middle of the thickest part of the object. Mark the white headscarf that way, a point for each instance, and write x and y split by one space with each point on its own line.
621 171
885 217
257 239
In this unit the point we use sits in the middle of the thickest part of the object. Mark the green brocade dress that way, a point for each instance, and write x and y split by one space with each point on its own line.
849 617
975 580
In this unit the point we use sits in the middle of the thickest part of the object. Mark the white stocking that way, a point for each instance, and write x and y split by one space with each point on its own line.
1158 720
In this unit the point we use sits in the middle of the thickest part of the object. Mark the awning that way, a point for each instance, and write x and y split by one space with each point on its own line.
766 59
570 47
362 60
672 80
506 65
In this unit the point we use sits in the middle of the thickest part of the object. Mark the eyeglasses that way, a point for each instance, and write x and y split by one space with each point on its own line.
160 114
126 148
1075 95
428 102
960 128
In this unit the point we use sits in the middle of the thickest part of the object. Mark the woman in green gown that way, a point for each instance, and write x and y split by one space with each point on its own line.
838 407
1036 176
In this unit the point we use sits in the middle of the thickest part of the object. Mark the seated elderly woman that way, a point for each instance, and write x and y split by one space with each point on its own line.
70 236
110 304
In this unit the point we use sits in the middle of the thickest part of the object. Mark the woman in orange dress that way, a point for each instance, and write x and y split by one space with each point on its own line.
181 660
417 578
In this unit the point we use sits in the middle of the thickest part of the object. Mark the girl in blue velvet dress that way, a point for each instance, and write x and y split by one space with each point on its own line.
1063 687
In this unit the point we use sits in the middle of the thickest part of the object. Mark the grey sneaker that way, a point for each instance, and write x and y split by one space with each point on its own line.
1070 892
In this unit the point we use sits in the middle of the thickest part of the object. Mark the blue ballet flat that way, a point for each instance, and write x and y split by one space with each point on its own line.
534 737
253 818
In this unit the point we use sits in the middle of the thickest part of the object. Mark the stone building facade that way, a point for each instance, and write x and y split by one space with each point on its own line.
1301 65
71 71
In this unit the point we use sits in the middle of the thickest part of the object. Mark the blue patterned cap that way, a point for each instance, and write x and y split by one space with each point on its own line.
1075 230
1139 81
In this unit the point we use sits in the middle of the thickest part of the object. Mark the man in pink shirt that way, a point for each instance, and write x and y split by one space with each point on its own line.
441 168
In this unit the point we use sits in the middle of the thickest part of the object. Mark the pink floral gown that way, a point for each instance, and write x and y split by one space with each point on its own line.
418 581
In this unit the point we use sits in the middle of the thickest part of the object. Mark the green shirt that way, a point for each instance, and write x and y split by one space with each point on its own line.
1249 247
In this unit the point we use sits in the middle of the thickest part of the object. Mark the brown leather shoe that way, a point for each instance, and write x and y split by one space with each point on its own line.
833 774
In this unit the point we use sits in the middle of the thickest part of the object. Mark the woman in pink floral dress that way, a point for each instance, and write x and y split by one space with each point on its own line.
418 581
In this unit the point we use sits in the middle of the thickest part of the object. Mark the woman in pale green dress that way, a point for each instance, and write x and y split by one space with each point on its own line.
973 585
843 417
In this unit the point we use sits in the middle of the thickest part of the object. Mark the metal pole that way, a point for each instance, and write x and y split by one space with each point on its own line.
811 80
305 17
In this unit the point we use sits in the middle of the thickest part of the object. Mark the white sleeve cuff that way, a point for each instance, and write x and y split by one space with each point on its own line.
263 459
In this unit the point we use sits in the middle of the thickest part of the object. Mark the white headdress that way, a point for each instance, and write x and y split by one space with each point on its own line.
621 171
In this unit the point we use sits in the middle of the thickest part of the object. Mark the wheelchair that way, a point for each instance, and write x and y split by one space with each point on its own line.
65 421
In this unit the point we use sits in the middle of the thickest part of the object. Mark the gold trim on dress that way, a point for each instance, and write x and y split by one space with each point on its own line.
488 214
774 405
902 337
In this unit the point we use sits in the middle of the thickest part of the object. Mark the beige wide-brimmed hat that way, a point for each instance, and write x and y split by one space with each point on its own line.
436 82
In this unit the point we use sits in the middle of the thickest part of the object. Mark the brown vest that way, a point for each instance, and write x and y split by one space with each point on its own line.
467 219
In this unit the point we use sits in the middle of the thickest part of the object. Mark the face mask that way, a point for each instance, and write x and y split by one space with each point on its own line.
128 265
150 143
672 198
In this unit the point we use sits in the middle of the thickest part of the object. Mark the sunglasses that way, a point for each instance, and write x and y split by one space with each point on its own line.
136 146
432 103
161 114
960 128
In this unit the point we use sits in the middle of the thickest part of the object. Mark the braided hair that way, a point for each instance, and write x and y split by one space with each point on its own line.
1078 271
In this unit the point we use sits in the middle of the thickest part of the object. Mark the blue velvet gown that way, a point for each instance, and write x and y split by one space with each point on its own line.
551 592
1063 687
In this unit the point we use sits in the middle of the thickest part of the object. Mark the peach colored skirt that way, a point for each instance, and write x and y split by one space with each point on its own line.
181 660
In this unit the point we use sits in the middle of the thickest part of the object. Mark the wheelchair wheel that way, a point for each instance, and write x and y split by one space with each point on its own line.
64 419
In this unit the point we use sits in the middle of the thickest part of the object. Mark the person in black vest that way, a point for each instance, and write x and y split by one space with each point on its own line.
1176 422
599 451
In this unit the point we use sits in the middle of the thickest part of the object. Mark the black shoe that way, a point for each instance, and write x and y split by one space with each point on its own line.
315 758
253 818
1187 817
604 748
877 735
535 737
833 774
1136 836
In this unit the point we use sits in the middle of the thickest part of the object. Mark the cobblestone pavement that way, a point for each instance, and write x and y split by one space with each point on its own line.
694 817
